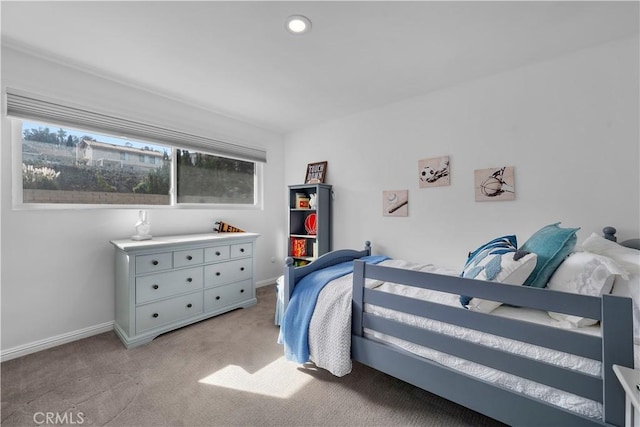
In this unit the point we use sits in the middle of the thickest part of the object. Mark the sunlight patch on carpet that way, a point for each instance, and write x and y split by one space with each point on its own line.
279 379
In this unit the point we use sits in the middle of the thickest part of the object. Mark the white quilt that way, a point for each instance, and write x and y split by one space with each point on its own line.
330 325
330 338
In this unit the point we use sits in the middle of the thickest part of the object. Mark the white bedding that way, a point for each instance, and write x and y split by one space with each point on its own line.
330 338
330 325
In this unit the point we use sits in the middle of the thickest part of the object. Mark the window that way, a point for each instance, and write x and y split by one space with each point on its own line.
66 166
69 154
204 178
61 165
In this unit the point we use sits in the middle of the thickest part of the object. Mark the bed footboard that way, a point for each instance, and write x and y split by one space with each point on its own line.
614 346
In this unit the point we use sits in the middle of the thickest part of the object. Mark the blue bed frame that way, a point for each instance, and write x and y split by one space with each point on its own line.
615 346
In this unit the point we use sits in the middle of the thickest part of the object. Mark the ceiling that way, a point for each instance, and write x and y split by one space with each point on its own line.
236 59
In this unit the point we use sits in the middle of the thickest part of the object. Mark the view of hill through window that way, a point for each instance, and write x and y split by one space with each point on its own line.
61 165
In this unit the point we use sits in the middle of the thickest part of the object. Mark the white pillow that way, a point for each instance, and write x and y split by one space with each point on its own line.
511 273
627 258
584 273
630 288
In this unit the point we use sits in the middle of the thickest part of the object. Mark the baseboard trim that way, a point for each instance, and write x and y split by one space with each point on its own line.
267 282
34 347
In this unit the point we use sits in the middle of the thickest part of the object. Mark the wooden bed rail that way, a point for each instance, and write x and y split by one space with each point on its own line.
617 349
615 346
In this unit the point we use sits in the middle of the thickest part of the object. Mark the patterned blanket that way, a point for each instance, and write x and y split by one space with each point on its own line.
294 331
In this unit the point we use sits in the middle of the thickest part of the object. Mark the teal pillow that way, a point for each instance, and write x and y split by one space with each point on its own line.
552 244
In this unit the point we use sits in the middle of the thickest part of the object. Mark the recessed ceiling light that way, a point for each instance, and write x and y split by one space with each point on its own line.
298 24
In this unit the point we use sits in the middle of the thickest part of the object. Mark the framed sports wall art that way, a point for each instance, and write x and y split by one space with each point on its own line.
316 173
494 184
433 172
395 203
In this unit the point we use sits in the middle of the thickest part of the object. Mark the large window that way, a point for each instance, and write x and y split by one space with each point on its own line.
60 165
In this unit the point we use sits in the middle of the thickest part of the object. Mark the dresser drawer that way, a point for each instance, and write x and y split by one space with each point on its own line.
155 262
188 257
223 296
160 313
241 250
218 253
154 286
227 272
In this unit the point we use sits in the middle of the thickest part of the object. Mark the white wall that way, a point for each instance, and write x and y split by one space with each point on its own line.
57 265
569 126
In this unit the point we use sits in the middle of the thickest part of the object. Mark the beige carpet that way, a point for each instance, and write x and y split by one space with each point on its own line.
225 371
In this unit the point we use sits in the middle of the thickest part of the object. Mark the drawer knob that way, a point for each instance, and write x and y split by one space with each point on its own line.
189 305
217 273
241 268
241 291
217 253
189 280
155 286
155 314
189 257
241 249
218 297
154 262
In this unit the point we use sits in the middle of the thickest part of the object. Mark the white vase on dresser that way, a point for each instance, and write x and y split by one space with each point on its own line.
172 281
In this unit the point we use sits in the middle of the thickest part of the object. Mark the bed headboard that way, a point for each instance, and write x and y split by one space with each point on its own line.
609 233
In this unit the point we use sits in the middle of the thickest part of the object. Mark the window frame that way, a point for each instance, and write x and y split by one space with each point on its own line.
17 183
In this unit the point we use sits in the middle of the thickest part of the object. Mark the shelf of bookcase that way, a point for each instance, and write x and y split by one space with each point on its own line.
315 244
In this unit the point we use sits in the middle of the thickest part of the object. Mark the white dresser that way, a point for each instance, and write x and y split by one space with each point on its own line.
172 281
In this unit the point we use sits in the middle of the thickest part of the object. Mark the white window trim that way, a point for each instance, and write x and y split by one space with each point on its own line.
17 190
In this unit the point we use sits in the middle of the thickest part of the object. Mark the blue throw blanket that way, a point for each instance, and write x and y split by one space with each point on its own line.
294 330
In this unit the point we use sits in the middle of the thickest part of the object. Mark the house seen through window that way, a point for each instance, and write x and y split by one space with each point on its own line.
61 165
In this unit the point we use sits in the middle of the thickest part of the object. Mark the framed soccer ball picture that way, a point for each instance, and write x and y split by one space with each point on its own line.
434 172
